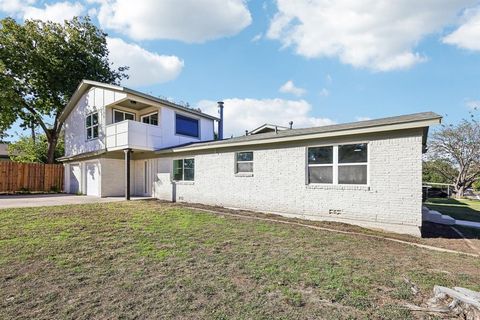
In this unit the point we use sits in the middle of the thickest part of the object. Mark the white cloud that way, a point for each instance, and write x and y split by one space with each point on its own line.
257 37
247 114
56 12
468 34
324 92
289 87
377 34
14 6
146 68
192 21
473 104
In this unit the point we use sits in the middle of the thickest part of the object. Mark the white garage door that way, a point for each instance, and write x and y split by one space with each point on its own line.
93 179
75 178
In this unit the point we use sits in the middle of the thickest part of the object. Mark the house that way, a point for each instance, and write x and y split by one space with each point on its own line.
369 173
4 152
268 128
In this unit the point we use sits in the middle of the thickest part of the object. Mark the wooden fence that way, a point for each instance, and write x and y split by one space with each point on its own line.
15 176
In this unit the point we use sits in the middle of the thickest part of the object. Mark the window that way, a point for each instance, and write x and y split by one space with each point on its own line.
244 162
352 164
91 124
320 165
184 169
122 115
151 119
342 164
186 126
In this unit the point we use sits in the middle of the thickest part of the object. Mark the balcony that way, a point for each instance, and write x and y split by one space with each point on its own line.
134 135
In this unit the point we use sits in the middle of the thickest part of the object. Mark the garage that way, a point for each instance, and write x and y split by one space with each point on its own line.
92 173
75 178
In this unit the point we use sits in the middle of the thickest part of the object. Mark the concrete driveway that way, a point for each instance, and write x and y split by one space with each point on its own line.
40 200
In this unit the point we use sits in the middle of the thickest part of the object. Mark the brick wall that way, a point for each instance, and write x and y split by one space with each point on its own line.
392 201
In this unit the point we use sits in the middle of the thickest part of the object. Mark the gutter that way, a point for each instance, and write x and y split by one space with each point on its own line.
299 137
82 155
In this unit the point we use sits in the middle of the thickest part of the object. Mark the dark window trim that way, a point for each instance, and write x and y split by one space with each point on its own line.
188 117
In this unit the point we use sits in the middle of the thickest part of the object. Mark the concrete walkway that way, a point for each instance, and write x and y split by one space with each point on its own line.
437 217
40 200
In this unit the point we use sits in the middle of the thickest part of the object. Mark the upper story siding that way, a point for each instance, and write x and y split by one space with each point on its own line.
103 101
93 100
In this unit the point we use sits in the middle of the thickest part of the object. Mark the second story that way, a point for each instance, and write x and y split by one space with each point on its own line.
104 117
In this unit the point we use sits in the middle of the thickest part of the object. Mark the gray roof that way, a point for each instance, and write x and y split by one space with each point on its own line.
264 137
86 84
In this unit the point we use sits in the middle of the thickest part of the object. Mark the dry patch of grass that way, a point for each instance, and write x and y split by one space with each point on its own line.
154 260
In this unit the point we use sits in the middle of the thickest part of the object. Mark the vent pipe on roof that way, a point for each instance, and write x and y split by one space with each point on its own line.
276 129
291 125
220 123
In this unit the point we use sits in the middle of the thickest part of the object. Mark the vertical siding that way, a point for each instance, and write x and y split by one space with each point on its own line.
16 176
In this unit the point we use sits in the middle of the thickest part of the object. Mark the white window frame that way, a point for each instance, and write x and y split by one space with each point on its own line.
124 112
335 165
148 115
92 126
183 169
237 162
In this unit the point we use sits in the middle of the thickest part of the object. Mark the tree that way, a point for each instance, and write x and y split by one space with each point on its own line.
476 185
26 149
439 171
459 146
41 65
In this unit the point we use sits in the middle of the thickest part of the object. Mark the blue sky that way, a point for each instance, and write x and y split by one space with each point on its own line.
336 62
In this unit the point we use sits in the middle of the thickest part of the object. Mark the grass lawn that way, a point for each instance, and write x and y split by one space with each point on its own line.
146 259
462 209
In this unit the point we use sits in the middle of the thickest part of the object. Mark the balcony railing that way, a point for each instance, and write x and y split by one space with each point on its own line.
134 135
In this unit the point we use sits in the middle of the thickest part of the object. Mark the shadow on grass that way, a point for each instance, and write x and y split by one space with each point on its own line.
434 230
454 208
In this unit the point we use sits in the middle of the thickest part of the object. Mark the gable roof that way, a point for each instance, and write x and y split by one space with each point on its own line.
85 85
416 120
267 127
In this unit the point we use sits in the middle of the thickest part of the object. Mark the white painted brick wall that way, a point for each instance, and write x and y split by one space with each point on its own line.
392 201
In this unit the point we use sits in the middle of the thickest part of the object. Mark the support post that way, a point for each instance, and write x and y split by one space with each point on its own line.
128 154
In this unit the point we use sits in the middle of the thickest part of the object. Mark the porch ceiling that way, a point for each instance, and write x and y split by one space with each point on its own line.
132 104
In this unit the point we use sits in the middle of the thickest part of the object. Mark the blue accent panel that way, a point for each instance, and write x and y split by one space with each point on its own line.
186 126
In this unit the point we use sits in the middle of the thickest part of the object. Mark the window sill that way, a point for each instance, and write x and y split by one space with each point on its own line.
338 187
244 174
184 182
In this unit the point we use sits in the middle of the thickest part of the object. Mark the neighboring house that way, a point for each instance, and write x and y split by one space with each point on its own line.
267 128
367 173
4 152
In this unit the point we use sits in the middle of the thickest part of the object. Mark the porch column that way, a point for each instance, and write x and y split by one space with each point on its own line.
128 154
